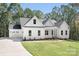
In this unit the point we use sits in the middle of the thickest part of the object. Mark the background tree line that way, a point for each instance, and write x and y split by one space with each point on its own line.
10 13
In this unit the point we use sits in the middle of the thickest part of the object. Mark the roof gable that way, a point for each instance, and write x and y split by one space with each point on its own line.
62 24
30 22
23 21
47 22
53 21
58 24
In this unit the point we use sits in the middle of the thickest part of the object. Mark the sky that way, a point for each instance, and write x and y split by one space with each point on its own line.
44 7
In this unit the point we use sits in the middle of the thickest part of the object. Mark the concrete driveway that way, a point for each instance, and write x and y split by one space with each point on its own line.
11 48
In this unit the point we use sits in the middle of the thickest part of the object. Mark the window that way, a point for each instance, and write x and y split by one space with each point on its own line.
61 32
46 32
52 32
66 32
34 21
38 32
29 32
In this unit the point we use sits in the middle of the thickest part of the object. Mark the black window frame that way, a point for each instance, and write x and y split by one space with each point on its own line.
46 32
52 32
61 32
34 21
66 32
30 33
39 32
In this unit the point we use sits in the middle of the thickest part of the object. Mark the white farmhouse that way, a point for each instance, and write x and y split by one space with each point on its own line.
34 28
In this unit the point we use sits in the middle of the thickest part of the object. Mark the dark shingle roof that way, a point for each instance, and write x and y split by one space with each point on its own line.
58 24
45 21
52 22
23 21
26 20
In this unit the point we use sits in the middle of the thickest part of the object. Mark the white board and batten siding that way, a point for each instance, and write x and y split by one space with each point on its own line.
34 28
39 26
34 33
64 27
30 22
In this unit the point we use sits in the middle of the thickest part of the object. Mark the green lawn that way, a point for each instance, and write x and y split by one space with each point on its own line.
52 47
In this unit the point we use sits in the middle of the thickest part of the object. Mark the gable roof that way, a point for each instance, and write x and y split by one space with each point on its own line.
27 24
28 20
59 23
24 20
52 22
45 21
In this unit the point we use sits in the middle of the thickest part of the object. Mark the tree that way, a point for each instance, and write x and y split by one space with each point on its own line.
56 13
7 13
68 13
28 13
15 10
3 19
47 16
76 7
38 13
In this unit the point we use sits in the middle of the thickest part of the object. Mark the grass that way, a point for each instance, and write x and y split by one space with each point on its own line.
52 47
